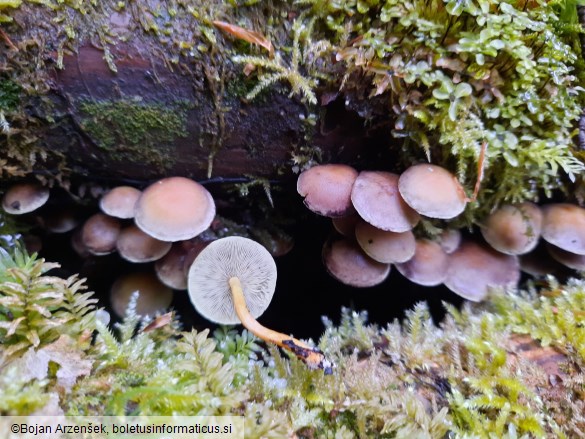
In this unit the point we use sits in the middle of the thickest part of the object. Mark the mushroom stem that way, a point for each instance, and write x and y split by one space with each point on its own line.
312 357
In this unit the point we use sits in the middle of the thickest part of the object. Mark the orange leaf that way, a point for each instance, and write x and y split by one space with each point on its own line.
246 35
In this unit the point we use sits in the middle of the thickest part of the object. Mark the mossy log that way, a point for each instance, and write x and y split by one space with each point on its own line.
102 93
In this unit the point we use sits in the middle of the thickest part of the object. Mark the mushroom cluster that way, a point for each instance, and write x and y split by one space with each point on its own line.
374 213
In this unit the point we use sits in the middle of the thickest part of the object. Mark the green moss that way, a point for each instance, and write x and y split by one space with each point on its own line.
136 129
9 95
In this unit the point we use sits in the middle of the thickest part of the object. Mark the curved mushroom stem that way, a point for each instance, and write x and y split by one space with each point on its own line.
312 357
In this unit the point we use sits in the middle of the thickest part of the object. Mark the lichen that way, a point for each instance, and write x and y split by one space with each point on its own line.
134 129
464 378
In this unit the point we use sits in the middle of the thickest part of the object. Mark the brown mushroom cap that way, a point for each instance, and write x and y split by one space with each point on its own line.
345 225
136 246
347 263
153 297
120 201
383 246
100 233
376 198
60 221
474 267
327 189
174 209
568 259
539 262
173 268
24 198
563 225
432 191
513 229
221 260
428 266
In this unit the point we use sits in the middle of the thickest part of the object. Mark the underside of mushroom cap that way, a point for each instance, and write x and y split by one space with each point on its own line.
209 276
563 225
432 191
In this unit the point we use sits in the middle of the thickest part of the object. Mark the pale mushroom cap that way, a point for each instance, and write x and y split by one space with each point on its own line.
428 266
376 198
473 268
153 297
450 240
568 259
432 191
136 246
347 263
24 198
174 209
383 246
234 256
327 189
120 201
345 225
563 225
100 233
513 229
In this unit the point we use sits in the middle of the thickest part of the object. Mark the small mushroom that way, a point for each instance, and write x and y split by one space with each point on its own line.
60 221
539 262
428 266
513 229
450 240
232 281
120 201
383 246
473 268
347 263
100 233
563 225
136 246
568 259
173 268
376 198
327 189
345 225
432 191
24 198
174 209
153 296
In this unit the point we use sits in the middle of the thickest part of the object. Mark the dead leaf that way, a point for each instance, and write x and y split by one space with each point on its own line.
247 35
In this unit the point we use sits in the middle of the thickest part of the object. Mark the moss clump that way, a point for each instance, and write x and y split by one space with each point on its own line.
470 377
9 95
136 129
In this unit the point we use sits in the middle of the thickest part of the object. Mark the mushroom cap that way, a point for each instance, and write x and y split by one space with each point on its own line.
173 268
347 263
513 229
327 189
174 209
153 297
539 262
432 191
345 225
568 259
474 267
376 198
563 225
60 221
120 201
24 198
428 266
383 246
100 233
136 246
209 276
450 240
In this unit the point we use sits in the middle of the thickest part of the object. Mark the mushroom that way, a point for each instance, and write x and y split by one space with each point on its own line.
432 191
100 233
136 246
120 201
327 189
232 281
539 262
174 209
153 296
376 198
428 266
173 268
513 229
345 225
60 221
568 259
347 263
473 268
24 198
563 225
450 240
383 246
